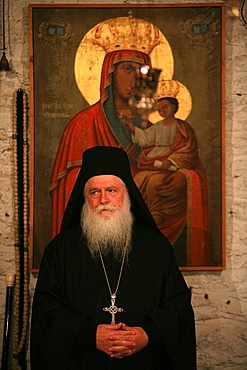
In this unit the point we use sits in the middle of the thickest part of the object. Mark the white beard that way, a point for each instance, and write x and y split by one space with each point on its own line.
112 234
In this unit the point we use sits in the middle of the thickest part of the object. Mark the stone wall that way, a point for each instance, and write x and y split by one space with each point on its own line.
219 298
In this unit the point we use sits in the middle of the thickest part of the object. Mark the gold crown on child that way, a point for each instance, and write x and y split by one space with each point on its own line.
167 89
127 33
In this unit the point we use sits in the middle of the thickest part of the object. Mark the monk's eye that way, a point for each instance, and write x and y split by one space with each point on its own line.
94 193
112 192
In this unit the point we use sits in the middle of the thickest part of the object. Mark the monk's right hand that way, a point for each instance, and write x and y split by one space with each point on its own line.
103 333
106 337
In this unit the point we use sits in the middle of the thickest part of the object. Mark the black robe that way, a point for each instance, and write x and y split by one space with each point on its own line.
71 292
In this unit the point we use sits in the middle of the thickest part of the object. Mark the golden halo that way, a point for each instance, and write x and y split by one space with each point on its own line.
89 59
185 105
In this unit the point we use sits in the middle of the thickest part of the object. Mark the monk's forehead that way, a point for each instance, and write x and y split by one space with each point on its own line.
104 181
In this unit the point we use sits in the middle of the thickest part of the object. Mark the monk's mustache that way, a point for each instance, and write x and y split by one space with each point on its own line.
102 207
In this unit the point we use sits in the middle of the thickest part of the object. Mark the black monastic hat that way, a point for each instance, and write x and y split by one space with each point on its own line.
106 160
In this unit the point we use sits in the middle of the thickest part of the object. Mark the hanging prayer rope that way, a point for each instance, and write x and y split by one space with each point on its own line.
21 229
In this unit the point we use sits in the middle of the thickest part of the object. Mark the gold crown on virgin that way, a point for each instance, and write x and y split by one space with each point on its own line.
167 89
127 33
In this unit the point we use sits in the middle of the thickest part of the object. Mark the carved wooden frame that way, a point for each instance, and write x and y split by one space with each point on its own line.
192 29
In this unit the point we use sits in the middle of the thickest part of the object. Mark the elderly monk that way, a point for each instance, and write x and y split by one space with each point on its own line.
109 293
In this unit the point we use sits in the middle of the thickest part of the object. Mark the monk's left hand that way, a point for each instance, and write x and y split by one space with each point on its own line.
129 340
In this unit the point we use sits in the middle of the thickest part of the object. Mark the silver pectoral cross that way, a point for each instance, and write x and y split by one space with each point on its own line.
113 309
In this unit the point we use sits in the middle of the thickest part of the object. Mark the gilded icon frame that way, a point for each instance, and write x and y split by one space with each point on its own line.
196 36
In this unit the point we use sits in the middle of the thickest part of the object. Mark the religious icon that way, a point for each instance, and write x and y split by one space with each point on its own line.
105 66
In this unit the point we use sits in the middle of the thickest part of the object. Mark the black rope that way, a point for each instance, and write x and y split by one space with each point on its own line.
7 328
20 143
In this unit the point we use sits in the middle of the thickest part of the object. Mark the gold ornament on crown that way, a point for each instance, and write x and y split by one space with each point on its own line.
127 33
167 89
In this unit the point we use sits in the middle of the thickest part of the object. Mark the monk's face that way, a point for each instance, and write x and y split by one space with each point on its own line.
124 80
105 194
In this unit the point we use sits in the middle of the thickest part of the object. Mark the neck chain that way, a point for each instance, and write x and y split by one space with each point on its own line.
113 309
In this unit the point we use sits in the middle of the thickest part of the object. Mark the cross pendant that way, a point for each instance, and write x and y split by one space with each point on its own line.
113 309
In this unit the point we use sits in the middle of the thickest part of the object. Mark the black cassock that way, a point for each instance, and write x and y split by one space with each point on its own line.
71 293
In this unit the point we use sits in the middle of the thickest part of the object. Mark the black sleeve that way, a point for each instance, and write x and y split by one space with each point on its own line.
174 319
56 329
154 336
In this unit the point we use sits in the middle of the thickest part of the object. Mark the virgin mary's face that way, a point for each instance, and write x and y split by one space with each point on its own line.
124 80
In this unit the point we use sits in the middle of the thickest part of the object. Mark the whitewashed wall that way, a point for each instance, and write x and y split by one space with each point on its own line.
219 298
